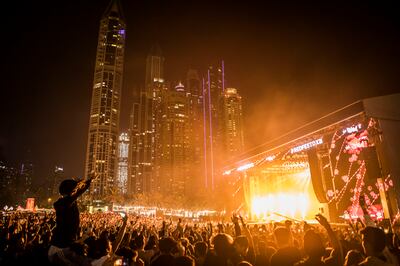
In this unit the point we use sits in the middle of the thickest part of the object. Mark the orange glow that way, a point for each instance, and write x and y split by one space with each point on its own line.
281 190
293 205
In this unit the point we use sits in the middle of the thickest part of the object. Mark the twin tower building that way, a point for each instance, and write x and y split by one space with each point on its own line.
180 133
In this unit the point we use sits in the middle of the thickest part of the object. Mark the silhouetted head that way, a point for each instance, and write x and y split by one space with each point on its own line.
222 244
282 236
127 252
241 244
67 186
313 245
200 249
139 241
373 240
151 243
103 247
167 245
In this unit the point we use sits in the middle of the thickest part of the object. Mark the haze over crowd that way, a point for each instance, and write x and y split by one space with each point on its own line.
291 62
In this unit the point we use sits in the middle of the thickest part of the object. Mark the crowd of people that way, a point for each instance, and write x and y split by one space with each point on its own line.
67 237
115 238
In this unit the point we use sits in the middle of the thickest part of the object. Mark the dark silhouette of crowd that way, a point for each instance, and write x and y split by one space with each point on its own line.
67 237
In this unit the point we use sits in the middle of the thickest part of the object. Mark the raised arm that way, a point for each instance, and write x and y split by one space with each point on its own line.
332 237
121 233
367 219
251 252
235 221
82 186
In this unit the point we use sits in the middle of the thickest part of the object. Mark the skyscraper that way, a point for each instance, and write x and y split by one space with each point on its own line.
145 127
101 154
26 178
232 123
154 66
122 174
54 181
173 152
8 184
214 87
196 134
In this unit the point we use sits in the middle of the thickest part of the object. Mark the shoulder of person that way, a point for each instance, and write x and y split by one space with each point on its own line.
374 261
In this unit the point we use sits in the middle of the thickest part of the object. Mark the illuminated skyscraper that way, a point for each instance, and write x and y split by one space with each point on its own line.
122 176
173 150
154 66
9 187
145 127
214 87
196 134
55 179
232 119
26 178
101 154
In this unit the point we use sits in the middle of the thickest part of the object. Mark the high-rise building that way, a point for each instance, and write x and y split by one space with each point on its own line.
26 178
145 127
101 154
122 176
196 133
8 184
174 147
232 123
54 181
212 93
154 67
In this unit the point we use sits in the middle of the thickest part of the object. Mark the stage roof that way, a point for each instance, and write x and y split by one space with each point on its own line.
382 108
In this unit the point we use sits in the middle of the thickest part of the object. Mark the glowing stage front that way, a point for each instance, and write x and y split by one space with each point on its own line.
281 190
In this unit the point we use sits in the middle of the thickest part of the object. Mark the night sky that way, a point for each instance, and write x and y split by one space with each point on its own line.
291 63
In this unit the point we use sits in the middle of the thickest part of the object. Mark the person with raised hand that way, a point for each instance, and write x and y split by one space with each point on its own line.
67 213
336 256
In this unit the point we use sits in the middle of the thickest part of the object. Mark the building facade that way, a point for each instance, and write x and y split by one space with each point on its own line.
232 123
174 147
145 128
123 152
101 154
196 133
212 93
54 181
9 185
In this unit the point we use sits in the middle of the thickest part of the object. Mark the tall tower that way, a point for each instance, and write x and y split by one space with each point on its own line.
154 66
145 127
232 120
195 132
101 154
173 152
55 179
214 87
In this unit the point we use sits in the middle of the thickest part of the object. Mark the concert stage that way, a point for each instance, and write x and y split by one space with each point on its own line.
325 166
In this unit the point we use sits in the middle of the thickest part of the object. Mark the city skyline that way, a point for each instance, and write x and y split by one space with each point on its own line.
179 131
279 71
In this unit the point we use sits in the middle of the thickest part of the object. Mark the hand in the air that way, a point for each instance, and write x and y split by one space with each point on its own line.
322 220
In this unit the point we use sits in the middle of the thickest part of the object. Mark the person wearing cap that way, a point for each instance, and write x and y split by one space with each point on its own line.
67 213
